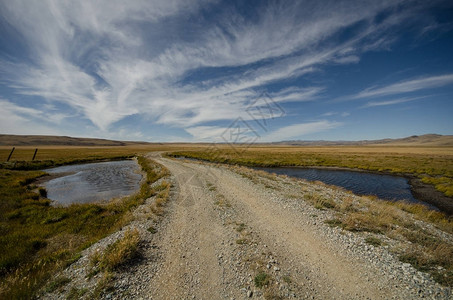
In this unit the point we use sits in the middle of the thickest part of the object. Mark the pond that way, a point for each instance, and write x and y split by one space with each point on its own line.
383 186
93 182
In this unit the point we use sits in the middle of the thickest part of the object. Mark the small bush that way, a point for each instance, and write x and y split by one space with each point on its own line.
261 280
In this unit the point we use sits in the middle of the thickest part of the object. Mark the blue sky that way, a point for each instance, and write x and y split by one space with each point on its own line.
180 70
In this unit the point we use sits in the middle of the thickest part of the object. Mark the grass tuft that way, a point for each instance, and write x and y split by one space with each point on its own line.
261 280
56 284
241 241
374 241
152 229
334 223
121 252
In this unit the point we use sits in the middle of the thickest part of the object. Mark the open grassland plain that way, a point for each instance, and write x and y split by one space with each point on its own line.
431 165
196 229
36 238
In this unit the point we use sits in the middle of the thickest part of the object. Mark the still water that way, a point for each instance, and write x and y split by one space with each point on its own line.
93 182
383 186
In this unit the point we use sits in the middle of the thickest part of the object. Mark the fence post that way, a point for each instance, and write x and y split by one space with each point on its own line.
34 155
11 153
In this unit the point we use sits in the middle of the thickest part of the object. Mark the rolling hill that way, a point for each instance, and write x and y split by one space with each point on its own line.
47 140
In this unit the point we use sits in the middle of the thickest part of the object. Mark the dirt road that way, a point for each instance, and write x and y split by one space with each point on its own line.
234 233
226 236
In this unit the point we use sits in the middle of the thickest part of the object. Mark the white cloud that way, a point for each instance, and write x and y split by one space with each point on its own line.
329 114
207 133
334 113
297 131
250 134
407 86
23 120
390 102
347 59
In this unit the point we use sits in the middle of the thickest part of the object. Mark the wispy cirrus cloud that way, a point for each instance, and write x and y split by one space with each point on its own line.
295 131
25 120
406 86
390 102
298 131
110 60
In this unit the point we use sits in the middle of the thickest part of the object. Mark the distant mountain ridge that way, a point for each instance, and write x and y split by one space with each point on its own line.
49 140
415 140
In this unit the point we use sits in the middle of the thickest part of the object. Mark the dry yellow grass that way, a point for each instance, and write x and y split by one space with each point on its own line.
121 251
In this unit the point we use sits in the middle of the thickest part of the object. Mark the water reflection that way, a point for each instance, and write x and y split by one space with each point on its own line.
93 182
383 186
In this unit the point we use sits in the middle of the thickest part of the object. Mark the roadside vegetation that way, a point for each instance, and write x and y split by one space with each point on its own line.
418 232
38 239
114 257
432 165
425 249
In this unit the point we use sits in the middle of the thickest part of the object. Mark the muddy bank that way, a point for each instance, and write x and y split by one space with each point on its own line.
428 193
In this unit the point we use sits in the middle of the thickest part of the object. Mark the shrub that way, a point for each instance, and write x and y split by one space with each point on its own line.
261 280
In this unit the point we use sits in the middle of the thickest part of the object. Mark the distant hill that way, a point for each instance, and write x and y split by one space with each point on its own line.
415 140
48 140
